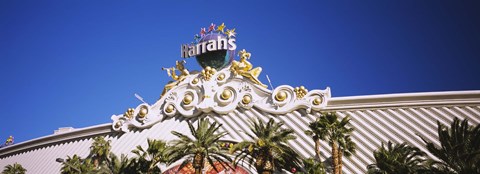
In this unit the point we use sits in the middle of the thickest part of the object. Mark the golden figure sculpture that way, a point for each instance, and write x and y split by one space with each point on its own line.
245 68
9 140
180 66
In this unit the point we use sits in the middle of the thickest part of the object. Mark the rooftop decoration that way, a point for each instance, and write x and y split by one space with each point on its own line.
214 47
9 141
222 86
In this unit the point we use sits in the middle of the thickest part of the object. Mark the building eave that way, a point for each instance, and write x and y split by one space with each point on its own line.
404 100
335 103
56 138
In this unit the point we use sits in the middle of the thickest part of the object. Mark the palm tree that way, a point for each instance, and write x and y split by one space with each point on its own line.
312 166
75 164
71 165
268 149
460 148
14 169
115 165
203 147
155 154
346 148
398 159
336 132
99 150
316 132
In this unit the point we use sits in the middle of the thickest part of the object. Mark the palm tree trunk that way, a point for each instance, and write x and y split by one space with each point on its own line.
268 168
340 163
96 162
198 163
335 157
317 150
264 165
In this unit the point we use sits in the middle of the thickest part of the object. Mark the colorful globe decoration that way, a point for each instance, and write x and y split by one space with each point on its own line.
216 59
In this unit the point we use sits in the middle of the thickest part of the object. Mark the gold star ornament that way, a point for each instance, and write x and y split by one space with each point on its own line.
221 27
230 33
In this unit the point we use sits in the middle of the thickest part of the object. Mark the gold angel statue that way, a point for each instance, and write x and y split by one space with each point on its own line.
245 68
180 66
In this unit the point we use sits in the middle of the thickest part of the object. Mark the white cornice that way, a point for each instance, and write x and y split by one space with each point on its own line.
56 138
404 100
337 103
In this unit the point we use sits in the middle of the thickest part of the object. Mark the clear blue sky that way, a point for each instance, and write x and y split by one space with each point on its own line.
75 63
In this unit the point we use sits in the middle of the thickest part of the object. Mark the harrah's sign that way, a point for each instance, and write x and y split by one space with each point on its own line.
206 46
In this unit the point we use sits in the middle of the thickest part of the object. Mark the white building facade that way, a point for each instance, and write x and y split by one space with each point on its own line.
232 99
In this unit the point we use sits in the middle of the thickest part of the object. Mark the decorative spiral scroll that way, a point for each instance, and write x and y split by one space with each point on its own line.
223 93
226 96
222 77
283 95
142 114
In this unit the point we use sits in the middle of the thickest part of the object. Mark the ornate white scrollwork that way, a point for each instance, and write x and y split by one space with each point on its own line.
222 93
